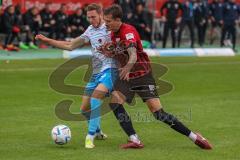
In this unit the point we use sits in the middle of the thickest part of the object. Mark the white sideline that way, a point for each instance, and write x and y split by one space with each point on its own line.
180 63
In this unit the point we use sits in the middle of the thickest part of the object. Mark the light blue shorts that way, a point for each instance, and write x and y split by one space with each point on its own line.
106 77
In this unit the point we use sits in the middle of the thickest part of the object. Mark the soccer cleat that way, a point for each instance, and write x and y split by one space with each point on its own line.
101 136
202 142
89 143
132 145
33 46
11 47
23 46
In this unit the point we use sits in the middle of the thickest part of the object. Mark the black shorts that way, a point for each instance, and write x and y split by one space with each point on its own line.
144 86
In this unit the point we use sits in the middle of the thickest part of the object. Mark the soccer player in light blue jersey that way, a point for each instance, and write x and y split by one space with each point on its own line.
104 69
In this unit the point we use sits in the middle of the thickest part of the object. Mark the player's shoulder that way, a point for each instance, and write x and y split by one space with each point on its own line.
128 28
129 32
89 28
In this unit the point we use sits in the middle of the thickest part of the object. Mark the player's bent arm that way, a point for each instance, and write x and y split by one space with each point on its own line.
132 52
124 72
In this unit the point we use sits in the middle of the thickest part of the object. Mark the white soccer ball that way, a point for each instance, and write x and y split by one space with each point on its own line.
61 134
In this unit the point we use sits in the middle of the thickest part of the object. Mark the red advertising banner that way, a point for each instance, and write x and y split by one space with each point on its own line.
55 5
73 4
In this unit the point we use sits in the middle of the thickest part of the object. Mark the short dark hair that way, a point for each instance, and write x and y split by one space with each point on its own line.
94 7
114 10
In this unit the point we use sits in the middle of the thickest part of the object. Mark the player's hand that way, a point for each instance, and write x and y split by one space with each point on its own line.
124 72
42 38
108 49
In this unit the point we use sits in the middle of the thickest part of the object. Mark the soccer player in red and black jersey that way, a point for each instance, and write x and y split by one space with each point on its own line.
135 76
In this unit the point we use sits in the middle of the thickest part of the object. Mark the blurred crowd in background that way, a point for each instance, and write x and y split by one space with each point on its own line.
219 19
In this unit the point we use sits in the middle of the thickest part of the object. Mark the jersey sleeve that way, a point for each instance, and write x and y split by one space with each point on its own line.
130 38
85 35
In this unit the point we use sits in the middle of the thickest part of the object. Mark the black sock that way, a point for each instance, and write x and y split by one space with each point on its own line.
172 121
123 118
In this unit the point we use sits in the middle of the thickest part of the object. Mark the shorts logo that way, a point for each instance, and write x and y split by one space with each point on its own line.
152 89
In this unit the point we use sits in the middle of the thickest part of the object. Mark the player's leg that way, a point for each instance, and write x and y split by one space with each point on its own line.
223 35
85 110
94 121
85 106
165 34
117 101
105 82
205 27
181 28
233 33
147 90
173 34
155 107
215 31
191 29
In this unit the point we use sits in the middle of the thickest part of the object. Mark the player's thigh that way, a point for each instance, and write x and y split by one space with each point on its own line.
85 106
154 104
118 97
105 83
108 78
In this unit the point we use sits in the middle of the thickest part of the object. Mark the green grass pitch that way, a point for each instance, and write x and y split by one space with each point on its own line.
206 98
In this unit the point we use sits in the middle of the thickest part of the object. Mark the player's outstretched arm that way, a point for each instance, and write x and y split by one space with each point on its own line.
66 45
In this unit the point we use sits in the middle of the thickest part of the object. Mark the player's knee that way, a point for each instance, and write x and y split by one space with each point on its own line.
100 92
84 108
154 104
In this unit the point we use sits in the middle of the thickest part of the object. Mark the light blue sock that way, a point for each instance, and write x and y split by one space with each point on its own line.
94 121
87 116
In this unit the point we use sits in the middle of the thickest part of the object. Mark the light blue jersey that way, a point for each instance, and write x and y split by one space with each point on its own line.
97 37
